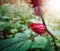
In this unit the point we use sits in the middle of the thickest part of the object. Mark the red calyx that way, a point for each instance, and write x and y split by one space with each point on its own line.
4 34
36 2
36 12
0 3
38 28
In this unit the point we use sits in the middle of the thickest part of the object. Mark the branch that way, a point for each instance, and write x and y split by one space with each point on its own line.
53 37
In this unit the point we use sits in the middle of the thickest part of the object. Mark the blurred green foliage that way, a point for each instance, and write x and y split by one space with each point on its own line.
15 21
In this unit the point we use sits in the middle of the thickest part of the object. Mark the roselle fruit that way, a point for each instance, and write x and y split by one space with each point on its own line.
0 2
38 4
36 11
4 34
37 28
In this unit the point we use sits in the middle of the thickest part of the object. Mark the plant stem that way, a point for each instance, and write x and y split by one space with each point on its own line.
43 21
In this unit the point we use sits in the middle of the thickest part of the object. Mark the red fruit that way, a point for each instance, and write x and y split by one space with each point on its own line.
0 3
36 12
36 2
38 28
4 33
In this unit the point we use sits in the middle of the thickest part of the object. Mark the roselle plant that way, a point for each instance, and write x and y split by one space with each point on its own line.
39 4
16 23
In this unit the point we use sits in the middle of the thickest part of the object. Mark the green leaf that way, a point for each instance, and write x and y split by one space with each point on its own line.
20 35
13 30
5 17
8 43
27 33
58 42
14 47
39 42
26 46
